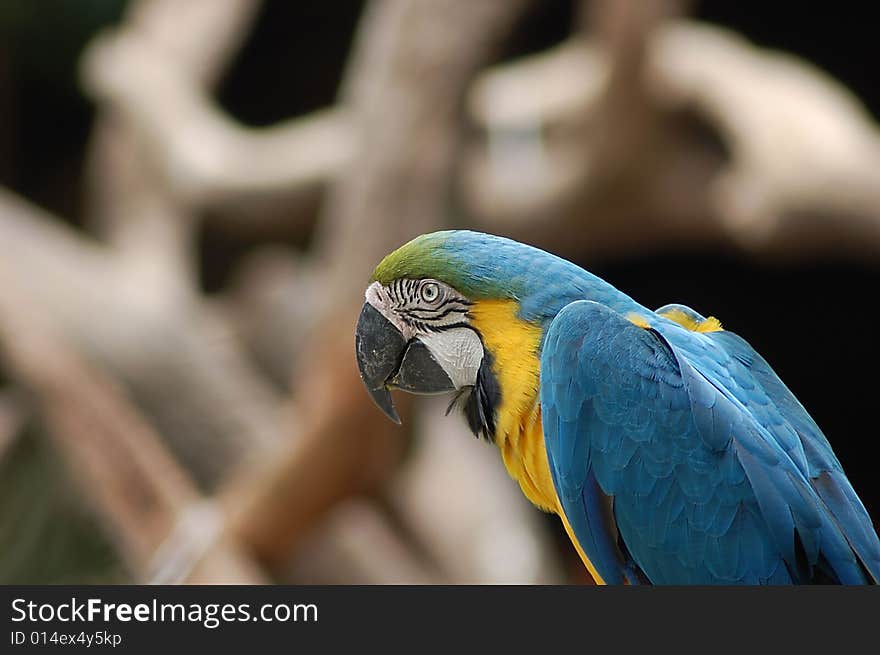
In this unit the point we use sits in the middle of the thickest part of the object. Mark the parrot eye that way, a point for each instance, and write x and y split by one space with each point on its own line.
430 291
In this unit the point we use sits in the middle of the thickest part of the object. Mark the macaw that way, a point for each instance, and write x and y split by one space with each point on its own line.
668 447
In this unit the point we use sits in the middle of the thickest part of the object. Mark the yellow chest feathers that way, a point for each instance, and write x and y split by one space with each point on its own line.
518 433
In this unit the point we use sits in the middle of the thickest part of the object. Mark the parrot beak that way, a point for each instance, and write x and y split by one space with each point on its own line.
388 361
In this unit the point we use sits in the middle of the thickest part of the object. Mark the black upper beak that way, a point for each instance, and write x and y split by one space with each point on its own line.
387 361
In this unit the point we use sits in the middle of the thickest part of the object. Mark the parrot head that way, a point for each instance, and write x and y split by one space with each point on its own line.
461 312
415 331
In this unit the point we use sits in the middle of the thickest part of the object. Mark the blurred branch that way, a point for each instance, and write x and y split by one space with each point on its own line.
201 36
269 303
203 156
121 463
793 145
410 68
626 119
181 362
467 514
134 304
131 204
801 143
153 78
568 131
357 545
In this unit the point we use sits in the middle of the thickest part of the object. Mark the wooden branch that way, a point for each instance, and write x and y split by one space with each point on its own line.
626 121
204 157
339 446
469 516
201 35
563 131
180 361
120 462
800 147
130 203
356 544
154 76
801 144
406 82
270 303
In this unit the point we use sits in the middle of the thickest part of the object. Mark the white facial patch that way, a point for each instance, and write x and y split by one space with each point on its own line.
458 351
378 297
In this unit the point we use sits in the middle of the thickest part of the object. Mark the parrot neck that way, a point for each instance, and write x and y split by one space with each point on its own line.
514 345
512 332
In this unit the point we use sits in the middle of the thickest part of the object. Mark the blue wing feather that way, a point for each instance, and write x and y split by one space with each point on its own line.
705 455
807 446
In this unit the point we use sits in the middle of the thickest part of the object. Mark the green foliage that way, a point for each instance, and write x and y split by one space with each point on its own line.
47 536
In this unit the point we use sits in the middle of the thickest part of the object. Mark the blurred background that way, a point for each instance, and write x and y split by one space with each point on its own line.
193 194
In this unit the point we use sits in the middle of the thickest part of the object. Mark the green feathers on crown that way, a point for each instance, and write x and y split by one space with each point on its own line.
480 266
422 257
485 267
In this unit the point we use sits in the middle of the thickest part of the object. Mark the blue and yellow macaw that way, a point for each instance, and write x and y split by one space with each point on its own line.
669 448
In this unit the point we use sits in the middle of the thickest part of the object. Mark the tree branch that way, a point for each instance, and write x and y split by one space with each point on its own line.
180 361
411 65
139 490
799 156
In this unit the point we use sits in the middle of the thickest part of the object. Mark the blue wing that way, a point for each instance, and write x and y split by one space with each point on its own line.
691 483
783 415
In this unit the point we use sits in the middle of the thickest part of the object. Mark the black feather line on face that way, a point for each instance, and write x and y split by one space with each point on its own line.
481 404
